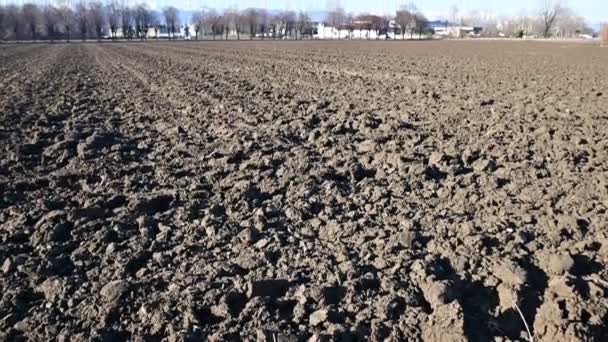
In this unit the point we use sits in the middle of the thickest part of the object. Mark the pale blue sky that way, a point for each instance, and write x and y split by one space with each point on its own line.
593 10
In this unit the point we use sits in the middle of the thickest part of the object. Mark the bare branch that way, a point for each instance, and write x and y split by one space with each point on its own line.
549 12
170 14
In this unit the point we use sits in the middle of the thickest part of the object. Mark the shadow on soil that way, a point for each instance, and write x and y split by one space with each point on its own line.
479 303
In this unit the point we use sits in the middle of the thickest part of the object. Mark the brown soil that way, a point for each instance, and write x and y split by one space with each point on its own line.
282 191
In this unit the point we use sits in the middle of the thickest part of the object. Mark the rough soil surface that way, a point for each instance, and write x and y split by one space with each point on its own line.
290 191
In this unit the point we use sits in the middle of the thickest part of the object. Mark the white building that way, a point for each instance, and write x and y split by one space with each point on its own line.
324 31
458 31
160 32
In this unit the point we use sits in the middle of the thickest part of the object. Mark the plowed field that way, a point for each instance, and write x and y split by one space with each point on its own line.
286 191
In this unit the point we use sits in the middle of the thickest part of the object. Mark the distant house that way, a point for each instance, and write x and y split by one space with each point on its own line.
459 31
446 29
358 30
438 25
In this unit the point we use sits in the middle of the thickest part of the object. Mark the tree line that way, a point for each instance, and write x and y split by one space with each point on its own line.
551 18
406 20
94 20
252 23
85 20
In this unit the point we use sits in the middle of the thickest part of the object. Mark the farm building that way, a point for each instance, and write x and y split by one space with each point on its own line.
458 31
358 30
447 29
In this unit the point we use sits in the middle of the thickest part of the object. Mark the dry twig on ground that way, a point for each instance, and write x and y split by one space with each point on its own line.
530 337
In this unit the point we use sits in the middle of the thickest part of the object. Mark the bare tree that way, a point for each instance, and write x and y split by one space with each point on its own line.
415 15
144 19
113 11
349 24
336 18
2 22
139 17
198 20
403 18
226 23
232 21
289 22
386 25
215 23
154 23
550 11
488 22
240 24
82 19
170 14
381 25
250 17
96 19
264 19
377 24
51 18
31 17
66 17
365 22
511 28
420 23
13 22
187 30
207 21
152 20
273 24
303 25
571 25
220 25
126 20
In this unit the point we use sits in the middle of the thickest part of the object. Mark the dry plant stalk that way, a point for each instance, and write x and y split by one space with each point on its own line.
604 34
521 314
